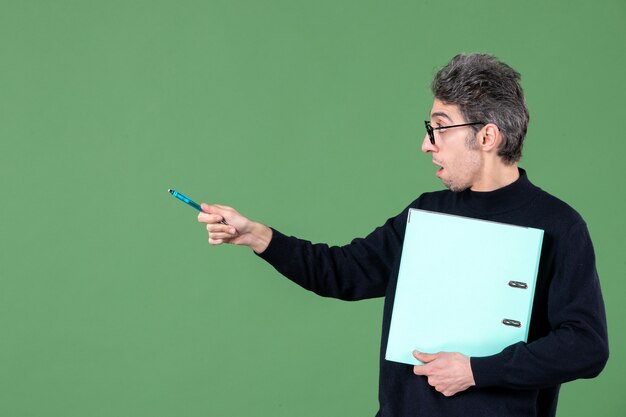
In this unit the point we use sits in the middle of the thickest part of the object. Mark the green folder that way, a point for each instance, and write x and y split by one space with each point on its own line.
465 285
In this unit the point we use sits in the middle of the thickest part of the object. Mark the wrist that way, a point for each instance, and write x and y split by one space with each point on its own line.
261 235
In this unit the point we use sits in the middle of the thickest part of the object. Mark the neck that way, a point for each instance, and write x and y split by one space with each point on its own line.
495 175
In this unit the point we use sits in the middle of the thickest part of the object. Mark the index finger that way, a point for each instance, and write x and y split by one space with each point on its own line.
423 370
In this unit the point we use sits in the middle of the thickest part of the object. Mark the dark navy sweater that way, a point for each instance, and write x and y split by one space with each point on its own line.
568 335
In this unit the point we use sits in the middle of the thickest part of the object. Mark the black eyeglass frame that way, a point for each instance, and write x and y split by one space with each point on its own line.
431 130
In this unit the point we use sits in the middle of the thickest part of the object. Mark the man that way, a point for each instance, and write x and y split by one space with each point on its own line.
475 134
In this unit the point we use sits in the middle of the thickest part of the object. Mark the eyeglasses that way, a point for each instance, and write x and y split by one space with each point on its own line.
431 130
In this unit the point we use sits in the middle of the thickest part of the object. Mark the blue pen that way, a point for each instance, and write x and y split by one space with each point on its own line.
187 200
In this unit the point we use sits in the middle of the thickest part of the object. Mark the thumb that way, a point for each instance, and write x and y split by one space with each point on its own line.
205 207
214 209
424 357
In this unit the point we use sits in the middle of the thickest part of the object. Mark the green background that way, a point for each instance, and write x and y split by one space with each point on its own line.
304 115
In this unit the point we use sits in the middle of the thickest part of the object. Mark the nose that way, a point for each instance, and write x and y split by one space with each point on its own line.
427 146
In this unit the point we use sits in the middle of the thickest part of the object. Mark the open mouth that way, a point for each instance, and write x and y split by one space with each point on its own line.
439 169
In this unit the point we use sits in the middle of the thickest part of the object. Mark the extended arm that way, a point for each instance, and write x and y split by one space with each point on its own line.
355 271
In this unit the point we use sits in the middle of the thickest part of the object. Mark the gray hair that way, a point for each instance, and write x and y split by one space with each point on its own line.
486 90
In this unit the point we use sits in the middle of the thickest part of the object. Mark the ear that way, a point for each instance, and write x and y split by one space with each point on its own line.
489 138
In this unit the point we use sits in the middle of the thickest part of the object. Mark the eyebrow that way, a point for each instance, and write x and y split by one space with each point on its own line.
441 114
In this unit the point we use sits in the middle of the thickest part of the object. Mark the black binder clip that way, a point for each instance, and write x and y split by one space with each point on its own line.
509 322
518 284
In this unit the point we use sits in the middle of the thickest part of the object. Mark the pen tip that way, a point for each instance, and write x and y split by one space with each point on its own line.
169 190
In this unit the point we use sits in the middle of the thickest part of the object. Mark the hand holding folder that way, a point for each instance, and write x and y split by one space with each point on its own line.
465 285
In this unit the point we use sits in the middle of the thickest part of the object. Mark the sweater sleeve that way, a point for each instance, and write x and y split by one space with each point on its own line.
577 344
358 270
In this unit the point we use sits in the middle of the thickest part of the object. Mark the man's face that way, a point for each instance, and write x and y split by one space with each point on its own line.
460 164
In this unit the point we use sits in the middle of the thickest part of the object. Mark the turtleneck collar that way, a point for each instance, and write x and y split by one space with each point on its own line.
510 197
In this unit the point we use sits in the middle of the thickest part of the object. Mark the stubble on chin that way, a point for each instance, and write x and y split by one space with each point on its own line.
456 188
